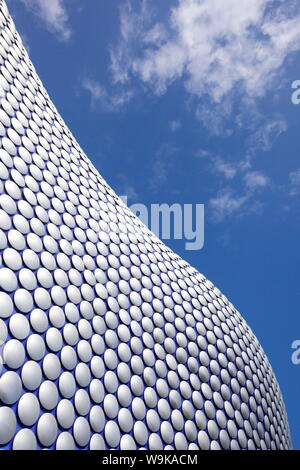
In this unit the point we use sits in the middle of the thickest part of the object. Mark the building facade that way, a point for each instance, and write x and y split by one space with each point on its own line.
109 340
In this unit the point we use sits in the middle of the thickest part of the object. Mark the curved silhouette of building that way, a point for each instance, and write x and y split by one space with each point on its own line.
109 339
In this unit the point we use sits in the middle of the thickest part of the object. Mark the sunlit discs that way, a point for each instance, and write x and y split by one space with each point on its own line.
97 442
44 277
82 402
110 359
180 441
167 432
28 409
153 420
86 310
23 300
112 434
65 413
150 397
14 354
84 329
34 242
70 334
16 240
155 442
136 385
25 440
39 320
65 441
68 357
61 278
31 259
8 204
51 366
96 391
8 280
138 408
57 317
35 347
54 339
67 385
3 241
125 420
8 424
58 296
110 406
27 279
97 418
6 305
81 431
82 374
3 332
203 440
47 429
19 326
9 146
48 261
42 298
10 387
4 118
97 367
31 375
48 395
140 433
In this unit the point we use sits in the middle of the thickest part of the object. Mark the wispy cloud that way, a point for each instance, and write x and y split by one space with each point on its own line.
135 29
256 180
126 188
100 96
214 51
97 92
228 170
294 177
162 162
229 202
266 134
53 13
239 200
226 63
175 125
226 203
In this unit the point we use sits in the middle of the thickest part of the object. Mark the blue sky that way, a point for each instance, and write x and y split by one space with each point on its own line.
190 102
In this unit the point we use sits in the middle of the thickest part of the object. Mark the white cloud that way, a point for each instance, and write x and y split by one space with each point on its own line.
267 133
202 153
216 47
175 125
255 180
225 169
226 203
295 182
135 29
230 202
227 55
100 95
53 14
96 90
